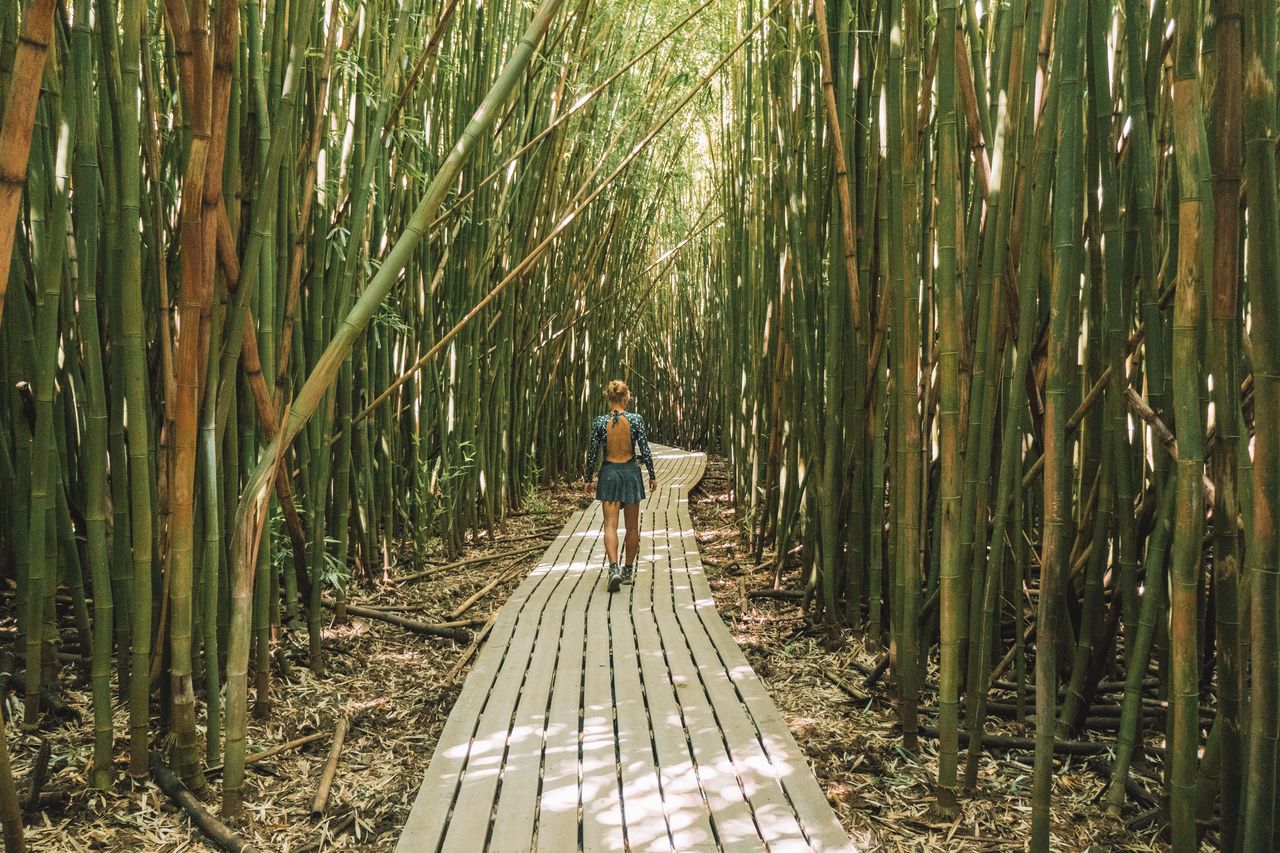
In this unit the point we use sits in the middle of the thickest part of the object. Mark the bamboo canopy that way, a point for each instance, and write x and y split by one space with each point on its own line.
980 301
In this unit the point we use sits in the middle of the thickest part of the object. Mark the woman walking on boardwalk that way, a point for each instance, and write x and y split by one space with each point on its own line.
621 434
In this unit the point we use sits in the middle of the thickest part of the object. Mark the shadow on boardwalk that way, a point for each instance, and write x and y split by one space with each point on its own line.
606 722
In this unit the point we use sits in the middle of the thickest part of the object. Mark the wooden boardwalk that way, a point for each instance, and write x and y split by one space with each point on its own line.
629 721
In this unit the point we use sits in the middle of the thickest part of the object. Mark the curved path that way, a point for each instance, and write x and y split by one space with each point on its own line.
632 721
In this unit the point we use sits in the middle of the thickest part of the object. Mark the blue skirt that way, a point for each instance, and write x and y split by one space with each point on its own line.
621 482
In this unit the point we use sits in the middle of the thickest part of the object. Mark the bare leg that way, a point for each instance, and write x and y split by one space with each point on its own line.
611 529
631 515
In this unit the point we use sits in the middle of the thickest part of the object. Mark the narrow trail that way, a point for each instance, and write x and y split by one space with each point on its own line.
696 757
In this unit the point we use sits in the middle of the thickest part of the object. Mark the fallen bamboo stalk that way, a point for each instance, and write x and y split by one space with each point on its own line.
218 832
337 827
330 768
537 534
504 574
275 750
475 622
775 593
469 561
46 800
471 650
413 608
1028 744
846 686
449 630
38 776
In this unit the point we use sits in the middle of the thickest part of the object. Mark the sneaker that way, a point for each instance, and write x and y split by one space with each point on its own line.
628 573
615 578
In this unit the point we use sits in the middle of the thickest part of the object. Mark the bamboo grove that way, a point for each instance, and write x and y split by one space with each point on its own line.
993 305
977 297
285 285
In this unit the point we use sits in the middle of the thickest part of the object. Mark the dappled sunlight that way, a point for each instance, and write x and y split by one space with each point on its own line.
658 734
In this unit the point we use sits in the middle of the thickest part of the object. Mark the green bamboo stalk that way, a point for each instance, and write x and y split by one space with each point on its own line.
951 605
1226 122
1262 262
134 369
49 228
1055 555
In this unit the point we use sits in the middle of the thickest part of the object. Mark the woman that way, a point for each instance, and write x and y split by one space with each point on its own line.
622 435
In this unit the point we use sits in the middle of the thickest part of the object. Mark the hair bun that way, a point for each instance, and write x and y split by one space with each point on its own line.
616 391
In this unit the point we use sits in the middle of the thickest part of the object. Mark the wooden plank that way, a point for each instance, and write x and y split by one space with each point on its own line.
599 797
557 823
516 813
777 821
734 822
480 776
818 821
643 817
427 819
687 815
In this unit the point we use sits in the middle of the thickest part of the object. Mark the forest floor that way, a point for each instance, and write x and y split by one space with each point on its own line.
883 796
397 687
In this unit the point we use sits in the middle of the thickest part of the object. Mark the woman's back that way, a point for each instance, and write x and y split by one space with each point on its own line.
617 446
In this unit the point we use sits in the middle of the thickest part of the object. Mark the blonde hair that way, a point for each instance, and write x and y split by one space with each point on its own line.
617 392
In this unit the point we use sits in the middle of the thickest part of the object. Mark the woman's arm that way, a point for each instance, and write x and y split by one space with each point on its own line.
596 437
642 442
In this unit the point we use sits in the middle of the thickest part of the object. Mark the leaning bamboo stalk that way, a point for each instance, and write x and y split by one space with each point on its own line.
250 521
16 125
842 163
528 261
252 505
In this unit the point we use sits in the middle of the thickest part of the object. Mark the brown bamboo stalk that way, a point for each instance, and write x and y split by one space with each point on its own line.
448 630
218 832
274 750
842 170
17 123
502 575
330 768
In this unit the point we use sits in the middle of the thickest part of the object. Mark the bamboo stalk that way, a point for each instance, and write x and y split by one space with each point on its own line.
16 124
452 630
330 768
